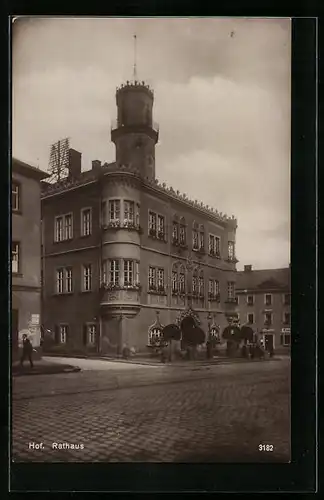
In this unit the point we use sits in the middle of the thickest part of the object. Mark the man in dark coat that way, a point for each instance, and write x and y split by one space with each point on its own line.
27 351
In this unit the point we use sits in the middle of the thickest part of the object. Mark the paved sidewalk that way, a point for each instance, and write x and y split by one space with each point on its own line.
42 367
113 379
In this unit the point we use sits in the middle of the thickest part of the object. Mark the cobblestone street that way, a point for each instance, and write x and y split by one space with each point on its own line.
214 413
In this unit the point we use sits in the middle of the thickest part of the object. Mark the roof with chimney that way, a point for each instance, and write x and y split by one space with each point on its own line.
98 170
262 280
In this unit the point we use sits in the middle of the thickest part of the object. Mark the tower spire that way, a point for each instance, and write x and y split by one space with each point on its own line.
135 57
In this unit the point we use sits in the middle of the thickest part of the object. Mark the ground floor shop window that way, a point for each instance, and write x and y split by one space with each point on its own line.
285 339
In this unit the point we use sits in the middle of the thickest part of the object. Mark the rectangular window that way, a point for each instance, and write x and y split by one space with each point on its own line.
160 275
59 229
152 223
68 229
114 210
91 330
15 257
63 333
15 196
250 300
68 280
60 281
182 235
231 290
268 319
86 221
114 272
286 299
161 226
286 318
128 272
250 318
195 244
129 212
152 278
214 245
87 277
268 299
213 289
231 250
285 339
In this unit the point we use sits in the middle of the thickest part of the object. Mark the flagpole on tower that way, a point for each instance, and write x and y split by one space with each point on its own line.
135 57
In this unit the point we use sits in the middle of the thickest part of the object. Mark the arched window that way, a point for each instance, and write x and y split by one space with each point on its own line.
195 238
182 231
195 282
201 284
182 283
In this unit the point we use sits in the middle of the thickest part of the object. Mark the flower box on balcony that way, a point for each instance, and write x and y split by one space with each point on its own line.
175 242
161 235
113 286
152 233
114 224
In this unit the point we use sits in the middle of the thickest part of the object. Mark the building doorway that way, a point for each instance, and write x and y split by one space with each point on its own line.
14 329
269 342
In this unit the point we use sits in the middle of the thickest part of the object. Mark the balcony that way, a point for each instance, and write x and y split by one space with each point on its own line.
118 224
151 128
120 299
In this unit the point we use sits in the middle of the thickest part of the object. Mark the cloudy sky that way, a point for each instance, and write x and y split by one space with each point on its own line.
222 99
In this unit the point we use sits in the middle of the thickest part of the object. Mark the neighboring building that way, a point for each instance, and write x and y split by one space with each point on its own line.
264 304
120 247
26 253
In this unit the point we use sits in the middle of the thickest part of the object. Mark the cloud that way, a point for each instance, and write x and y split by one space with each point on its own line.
222 99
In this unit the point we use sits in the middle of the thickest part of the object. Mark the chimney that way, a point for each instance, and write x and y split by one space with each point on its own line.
74 163
247 268
96 165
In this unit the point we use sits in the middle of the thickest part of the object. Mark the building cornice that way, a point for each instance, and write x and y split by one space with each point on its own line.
153 185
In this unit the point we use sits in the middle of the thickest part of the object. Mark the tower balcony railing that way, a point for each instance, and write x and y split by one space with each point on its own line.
115 125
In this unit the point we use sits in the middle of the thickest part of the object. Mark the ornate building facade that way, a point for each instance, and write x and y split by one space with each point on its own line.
264 305
120 247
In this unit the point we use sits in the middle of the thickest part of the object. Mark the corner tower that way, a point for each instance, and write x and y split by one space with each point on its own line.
134 133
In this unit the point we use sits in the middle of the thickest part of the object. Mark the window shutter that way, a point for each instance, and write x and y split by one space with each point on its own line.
67 333
84 337
56 334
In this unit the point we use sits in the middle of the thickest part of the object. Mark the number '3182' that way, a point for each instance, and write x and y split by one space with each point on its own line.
265 447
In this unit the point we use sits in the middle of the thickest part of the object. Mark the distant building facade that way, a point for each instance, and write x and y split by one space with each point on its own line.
264 304
26 253
121 249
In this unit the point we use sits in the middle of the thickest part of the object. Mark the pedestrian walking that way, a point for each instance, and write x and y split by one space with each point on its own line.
27 351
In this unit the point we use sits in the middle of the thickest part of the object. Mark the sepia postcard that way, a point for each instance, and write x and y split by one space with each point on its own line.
151 275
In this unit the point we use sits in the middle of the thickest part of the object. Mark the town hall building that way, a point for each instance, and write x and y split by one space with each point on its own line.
124 254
